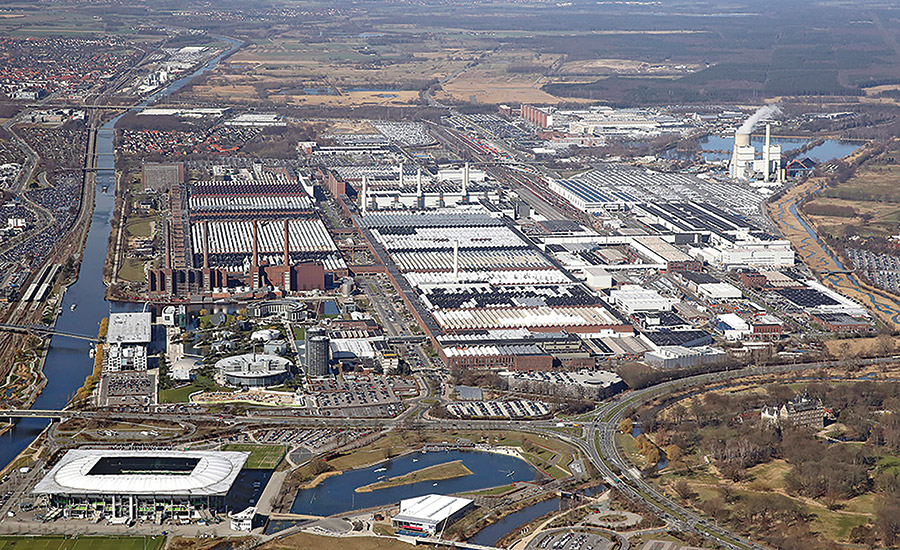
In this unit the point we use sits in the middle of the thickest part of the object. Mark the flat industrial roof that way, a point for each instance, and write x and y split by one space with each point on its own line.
128 472
129 328
430 508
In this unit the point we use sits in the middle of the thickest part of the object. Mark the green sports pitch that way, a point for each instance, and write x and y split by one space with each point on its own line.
81 543
262 457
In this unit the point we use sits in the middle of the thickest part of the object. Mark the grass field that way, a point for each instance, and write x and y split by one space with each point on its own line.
141 227
183 393
262 457
81 543
132 270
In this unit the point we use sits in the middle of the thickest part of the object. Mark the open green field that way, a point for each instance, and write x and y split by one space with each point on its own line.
181 394
140 227
81 543
262 457
132 270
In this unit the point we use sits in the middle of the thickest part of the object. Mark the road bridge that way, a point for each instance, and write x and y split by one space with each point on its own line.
41 330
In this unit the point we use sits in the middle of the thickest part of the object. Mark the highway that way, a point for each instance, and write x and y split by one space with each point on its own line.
597 440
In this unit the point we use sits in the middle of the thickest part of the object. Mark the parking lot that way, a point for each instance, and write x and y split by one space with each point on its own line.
315 440
123 389
358 396
519 408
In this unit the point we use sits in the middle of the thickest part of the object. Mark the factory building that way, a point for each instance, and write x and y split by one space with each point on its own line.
539 116
636 299
155 486
402 190
680 357
248 229
521 357
585 384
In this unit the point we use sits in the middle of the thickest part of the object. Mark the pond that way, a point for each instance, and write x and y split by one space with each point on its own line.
337 493
719 148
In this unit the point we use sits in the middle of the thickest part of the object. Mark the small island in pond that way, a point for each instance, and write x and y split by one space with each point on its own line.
447 470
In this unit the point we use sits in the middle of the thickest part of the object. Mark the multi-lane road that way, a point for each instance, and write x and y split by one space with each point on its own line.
597 440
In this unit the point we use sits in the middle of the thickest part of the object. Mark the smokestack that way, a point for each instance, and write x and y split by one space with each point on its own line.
205 244
254 262
255 245
365 199
456 261
766 158
287 250
465 181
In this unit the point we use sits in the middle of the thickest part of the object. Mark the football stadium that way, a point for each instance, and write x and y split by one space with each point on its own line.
124 485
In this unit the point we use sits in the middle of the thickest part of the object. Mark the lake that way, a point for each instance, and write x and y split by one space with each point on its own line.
337 493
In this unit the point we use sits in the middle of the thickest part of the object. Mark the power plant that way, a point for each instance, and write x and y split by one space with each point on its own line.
746 165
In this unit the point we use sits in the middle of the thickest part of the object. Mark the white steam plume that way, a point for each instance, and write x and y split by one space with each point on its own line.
766 111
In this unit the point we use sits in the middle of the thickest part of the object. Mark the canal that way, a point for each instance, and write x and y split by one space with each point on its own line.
68 361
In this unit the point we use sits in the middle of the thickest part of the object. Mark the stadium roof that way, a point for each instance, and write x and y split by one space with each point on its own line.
430 509
158 472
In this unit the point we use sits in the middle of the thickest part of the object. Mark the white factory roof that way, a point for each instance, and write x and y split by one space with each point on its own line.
213 474
422 238
430 509
129 328
492 350
350 348
480 260
493 277
734 321
237 236
525 317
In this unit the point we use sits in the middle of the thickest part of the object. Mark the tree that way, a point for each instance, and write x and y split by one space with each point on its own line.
888 522
673 453
626 426
682 489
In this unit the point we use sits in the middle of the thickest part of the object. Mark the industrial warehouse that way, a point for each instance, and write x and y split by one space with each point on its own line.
244 231
473 271
123 486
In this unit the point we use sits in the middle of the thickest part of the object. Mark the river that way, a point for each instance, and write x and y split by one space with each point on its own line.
68 361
